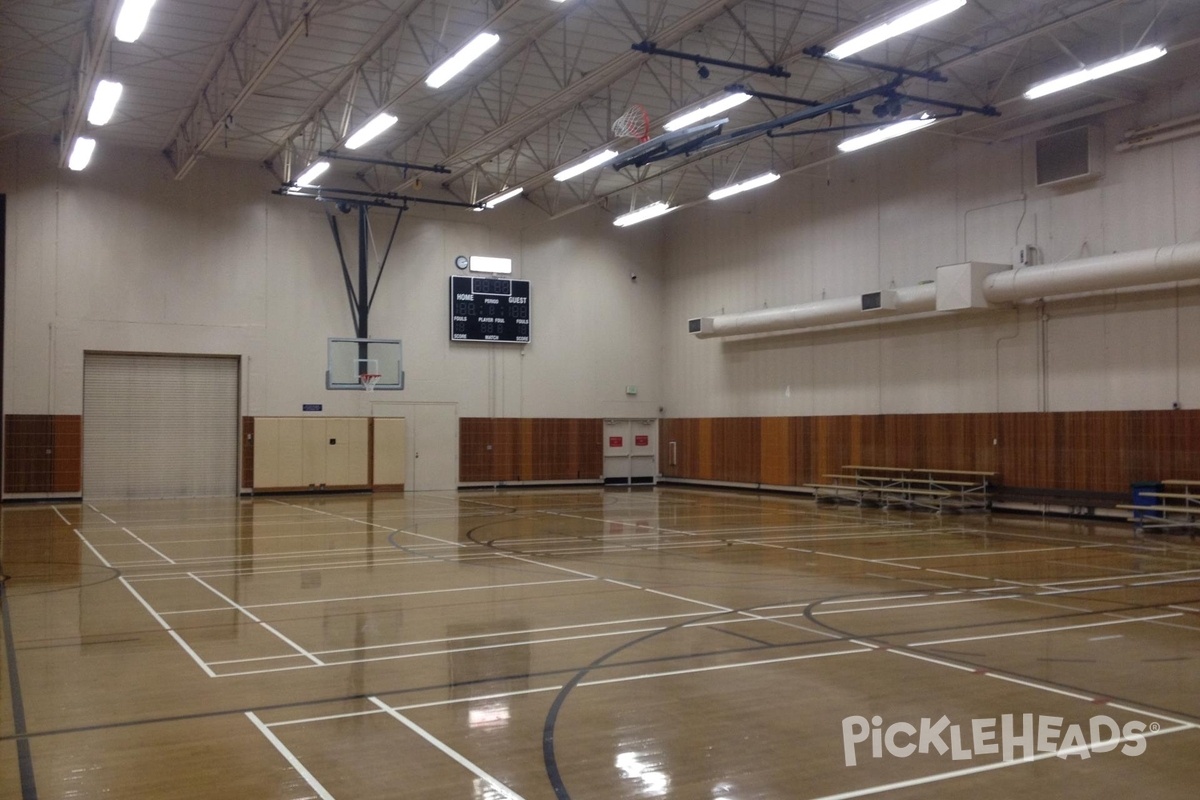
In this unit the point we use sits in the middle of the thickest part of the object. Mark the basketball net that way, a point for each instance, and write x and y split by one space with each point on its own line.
368 380
635 122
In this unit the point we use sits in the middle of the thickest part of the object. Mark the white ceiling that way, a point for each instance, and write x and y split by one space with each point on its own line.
277 81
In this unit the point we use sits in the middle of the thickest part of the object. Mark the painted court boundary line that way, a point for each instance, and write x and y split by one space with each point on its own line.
497 786
309 778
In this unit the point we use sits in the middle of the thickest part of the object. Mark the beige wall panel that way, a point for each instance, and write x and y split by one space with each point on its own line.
314 458
291 469
390 452
266 452
337 452
357 451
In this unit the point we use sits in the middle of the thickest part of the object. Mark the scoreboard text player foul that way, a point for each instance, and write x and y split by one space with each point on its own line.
489 310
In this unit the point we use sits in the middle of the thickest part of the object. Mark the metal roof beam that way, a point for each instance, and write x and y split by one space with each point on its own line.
93 53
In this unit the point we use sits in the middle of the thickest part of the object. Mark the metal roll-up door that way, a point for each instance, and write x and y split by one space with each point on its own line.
159 425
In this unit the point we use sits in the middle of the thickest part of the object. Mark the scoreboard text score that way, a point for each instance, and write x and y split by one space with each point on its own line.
488 310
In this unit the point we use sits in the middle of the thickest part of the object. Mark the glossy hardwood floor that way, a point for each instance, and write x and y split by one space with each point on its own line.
586 643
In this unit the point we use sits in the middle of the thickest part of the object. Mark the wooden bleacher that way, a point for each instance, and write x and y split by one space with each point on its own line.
911 487
1175 509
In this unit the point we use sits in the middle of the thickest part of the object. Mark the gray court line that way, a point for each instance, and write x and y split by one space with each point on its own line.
24 753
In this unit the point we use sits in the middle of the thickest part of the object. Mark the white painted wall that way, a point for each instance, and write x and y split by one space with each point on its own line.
121 257
889 216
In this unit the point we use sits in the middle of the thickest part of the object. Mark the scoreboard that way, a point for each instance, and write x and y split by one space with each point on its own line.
488 309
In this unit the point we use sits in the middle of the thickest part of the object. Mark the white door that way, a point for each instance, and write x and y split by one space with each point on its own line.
630 451
431 441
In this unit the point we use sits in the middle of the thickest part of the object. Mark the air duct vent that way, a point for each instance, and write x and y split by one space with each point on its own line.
1069 156
700 325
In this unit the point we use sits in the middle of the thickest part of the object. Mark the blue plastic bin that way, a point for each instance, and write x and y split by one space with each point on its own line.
1141 491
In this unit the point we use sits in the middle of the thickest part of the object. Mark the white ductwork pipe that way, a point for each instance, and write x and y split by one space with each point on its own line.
909 300
1179 262
1118 271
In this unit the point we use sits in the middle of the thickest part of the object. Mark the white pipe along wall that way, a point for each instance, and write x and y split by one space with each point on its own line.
1140 268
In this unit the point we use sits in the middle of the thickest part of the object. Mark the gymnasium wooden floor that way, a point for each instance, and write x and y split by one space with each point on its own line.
586 644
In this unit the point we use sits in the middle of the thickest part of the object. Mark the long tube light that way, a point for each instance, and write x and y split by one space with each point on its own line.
104 102
500 198
583 166
1134 59
132 19
372 128
81 153
312 173
709 110
886 132
904 23
461 59
744 186
642 214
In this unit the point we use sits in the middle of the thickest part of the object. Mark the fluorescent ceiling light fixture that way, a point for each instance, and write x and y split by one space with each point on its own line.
642 214
81 153
460 60
132 19
490 264
922 14
1134 59
709 110
500 198
374 126
886 132
744 186
583 166
104 102
312 173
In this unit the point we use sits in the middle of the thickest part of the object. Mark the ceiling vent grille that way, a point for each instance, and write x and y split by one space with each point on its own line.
1068 156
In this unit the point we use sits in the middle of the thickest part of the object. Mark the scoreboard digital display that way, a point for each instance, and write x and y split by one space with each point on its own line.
488 310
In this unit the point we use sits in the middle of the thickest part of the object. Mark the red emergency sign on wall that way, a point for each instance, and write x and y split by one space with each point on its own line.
615 441
641 441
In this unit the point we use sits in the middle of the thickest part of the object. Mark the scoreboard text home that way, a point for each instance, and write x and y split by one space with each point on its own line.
489 310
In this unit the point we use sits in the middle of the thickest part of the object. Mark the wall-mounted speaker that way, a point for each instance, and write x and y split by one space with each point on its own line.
1068 156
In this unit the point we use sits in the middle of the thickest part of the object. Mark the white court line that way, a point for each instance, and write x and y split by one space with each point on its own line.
178 639
717 667
267 626
60 516
313 783
919 605
406 594
1049 584
152 548
980 553
1057 592
372 524
1106 638
1185 608
101 513
499 787
958 773
95 552
443 640
1043 630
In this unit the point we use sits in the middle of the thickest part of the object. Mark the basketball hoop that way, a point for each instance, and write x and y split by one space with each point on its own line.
635 122
368 380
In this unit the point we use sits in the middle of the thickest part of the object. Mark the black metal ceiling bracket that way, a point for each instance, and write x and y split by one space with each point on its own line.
362 299
383 162
388 199
783 98
987 111
817 51
650 48
839 128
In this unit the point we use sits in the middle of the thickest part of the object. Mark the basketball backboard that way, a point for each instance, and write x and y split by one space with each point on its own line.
349 359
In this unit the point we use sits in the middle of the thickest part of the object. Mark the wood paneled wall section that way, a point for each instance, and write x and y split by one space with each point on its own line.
43 453
1093 451
506 449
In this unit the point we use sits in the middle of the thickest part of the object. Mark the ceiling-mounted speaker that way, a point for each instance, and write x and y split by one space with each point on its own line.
1068 156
